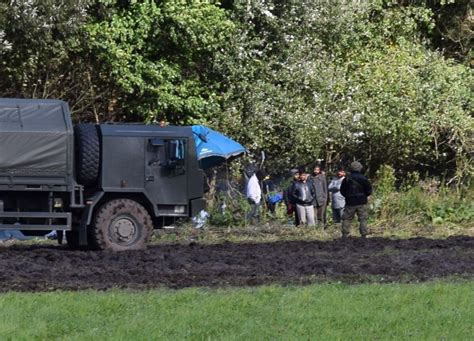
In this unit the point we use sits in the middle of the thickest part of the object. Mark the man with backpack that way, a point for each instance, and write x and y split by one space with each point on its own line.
355 188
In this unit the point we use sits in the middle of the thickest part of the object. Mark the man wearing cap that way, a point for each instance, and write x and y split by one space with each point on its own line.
355 188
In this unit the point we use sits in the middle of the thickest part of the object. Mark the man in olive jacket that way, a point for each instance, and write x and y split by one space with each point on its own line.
355 188
320 187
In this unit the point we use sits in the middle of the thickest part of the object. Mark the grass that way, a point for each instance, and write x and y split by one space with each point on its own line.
436 310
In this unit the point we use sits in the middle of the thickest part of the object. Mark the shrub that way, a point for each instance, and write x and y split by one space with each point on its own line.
427 202
229 211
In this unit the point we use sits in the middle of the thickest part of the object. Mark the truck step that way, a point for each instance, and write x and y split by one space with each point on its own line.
65 223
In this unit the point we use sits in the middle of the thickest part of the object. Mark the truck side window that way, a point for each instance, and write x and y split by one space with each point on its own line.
155 147
175 153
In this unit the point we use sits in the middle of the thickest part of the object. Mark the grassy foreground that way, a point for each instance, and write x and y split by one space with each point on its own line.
437 310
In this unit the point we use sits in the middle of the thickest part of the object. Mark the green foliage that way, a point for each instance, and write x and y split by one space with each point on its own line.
158 57
337 80
447 208
37 44
227 211
453 28
426 204
385 183
412 179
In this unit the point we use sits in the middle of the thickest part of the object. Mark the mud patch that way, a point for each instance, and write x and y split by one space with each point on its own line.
45 268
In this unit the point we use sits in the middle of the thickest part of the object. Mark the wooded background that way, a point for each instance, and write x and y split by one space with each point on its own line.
384 82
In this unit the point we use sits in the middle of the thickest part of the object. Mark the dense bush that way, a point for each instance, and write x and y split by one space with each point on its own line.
344 80
424 202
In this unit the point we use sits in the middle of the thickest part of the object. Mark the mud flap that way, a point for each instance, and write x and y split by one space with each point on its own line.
196 206
87 217
83 226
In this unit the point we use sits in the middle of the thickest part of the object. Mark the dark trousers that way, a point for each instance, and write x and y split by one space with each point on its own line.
254 214
271 206
320 215
297 219
349 213
337 214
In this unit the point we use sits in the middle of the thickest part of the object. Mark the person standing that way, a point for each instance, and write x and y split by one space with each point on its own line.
320 187
288 198
303 192
254 196
338 201
355 188
269 193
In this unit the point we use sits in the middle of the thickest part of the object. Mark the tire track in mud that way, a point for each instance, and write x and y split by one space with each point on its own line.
48 267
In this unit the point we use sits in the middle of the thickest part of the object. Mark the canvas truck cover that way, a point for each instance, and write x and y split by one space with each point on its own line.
35 139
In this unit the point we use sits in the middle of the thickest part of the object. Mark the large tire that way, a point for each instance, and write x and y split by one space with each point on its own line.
119 225
87 150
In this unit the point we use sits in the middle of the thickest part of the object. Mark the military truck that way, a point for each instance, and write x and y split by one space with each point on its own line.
106 185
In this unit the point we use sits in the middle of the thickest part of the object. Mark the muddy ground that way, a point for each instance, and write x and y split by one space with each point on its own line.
50 267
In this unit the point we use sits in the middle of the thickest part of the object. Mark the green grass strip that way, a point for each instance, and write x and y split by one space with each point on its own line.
436 310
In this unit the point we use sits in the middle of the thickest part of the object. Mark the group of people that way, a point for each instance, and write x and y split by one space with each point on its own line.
308 195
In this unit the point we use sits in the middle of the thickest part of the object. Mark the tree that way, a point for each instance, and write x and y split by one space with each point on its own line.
38 40
343 80
158 57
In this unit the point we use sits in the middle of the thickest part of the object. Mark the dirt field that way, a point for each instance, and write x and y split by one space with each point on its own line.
48 267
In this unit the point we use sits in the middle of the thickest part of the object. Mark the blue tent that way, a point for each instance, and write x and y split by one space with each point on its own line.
214 148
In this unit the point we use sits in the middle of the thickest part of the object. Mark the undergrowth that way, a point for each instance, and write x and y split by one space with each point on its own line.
421 204
409 208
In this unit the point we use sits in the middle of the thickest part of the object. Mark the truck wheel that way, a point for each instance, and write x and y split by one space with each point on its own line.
121 224
87 150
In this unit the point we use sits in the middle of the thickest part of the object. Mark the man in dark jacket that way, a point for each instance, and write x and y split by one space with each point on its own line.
288 196
355 188
303 193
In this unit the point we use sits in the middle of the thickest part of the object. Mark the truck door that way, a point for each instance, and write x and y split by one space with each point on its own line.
166 174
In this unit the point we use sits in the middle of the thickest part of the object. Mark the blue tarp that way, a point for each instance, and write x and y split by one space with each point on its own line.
214 148
12 234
